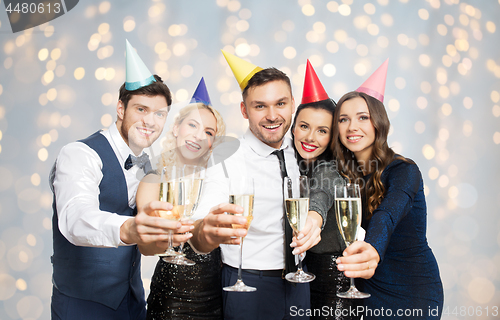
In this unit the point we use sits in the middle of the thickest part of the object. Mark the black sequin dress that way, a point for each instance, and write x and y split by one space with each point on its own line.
320 259
187 292
407 278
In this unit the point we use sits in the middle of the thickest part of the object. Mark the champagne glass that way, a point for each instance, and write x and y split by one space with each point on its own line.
348 213
192 183
296 194
241 192
172 191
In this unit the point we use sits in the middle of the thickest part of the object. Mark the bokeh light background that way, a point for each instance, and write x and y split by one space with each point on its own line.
59 83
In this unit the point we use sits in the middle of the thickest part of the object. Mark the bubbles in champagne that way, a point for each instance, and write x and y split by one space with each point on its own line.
246 201
348 212
296 211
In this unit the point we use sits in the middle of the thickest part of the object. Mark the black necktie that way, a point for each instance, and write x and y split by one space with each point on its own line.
289 258
141 161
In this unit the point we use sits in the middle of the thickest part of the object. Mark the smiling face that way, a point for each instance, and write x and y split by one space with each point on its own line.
195 135
142 121
356 130
312 132
269 108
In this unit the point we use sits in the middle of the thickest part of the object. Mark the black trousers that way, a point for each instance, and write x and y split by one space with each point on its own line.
275 297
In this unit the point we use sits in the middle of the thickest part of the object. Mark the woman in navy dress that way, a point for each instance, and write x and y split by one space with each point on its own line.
399 268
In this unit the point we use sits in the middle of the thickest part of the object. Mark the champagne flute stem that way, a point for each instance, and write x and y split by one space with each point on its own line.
170 243
181 246
353 285
299 269
180 256
241 260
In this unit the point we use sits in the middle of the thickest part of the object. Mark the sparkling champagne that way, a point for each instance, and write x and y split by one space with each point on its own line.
193 191
348 212
246 201
172 192
296 211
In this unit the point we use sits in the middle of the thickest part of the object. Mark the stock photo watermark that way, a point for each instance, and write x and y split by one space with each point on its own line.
26 14
382 312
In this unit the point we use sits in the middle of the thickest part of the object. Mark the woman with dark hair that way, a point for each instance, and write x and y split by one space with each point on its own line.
312 134
400 269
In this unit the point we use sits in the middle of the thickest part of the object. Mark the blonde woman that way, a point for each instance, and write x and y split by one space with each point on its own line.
186 143
186 291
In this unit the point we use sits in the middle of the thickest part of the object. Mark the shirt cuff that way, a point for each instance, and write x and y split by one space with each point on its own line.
113 225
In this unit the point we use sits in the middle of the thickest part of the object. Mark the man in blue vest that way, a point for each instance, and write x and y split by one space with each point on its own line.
96 263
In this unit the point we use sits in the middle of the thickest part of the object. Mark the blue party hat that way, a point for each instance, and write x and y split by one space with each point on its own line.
138 75
201 94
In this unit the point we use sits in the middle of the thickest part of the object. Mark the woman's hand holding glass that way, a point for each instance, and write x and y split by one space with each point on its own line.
310 235
360 260
348 211
296 195
191 184
172 191
151 227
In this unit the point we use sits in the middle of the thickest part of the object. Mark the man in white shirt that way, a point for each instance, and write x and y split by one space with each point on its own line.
95 229
268 105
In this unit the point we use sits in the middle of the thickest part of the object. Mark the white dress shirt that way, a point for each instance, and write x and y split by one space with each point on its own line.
263 245
76 186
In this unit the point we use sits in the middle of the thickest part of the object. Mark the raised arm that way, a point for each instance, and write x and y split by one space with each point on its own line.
362 257
75 179
402 185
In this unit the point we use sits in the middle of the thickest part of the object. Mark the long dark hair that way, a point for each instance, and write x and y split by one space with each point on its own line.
327 155
382 155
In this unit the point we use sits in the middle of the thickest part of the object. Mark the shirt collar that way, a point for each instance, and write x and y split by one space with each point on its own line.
123 150
260 147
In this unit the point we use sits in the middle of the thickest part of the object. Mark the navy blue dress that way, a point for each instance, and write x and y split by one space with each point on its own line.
407 278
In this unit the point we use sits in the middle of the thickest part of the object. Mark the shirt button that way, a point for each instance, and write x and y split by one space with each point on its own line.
133 264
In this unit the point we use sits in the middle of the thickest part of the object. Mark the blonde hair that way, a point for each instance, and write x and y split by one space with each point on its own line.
169 156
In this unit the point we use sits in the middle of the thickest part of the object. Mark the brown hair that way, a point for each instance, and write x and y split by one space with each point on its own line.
157 88
381 156
264 76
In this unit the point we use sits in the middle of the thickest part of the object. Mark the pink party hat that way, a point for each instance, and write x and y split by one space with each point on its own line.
375 85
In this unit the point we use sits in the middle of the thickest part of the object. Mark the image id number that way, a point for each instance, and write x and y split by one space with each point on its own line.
471 311
34 8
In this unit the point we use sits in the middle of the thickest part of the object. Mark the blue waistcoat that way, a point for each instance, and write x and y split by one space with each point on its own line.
101 275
